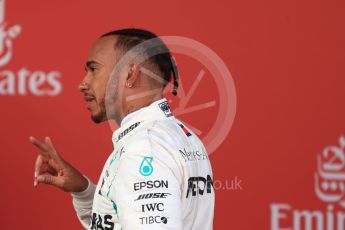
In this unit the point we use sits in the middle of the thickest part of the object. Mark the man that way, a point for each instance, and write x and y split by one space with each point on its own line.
159 175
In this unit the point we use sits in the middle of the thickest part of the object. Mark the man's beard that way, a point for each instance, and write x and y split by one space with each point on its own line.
110 104
107 103
101 116
107 110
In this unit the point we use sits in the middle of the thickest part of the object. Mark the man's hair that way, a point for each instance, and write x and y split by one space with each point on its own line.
163 61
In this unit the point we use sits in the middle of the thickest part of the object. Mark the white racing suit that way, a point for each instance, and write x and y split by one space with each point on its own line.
158 177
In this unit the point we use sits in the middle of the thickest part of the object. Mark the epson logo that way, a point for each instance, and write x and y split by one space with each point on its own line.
152 207
151 184
198 185
160 195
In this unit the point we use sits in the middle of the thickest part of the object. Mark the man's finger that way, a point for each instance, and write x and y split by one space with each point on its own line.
38 144
49 179
38 164
40 160
51 149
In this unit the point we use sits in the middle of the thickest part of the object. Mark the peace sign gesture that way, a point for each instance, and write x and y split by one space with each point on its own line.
51 169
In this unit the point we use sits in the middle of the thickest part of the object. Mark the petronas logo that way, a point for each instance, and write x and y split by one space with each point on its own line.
146 168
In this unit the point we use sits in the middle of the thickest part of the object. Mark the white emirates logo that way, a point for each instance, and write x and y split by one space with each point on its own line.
329 188
6 37
23 81
330 176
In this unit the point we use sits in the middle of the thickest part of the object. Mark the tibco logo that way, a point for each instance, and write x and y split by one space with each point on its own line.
153 220
23 81
329 188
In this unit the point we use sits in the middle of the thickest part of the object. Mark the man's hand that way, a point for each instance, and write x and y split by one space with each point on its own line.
51 169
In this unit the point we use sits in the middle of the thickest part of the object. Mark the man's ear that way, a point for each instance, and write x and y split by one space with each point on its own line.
133 75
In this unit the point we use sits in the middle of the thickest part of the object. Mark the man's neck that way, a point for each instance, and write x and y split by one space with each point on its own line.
140 104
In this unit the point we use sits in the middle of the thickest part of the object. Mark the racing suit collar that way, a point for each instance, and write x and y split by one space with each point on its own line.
157 110
132 116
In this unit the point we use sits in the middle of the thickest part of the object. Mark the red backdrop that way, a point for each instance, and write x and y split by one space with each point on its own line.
287 63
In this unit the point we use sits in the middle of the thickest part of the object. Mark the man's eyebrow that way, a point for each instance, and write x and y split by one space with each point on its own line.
91 62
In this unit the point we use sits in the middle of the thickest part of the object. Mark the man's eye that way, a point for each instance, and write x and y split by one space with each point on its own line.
90 69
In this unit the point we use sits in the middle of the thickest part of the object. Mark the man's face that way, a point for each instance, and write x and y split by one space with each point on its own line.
99 66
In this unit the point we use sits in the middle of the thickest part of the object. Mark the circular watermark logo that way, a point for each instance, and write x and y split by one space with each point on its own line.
225 103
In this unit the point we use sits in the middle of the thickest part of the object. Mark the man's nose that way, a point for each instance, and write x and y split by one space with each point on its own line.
83 86
85 83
